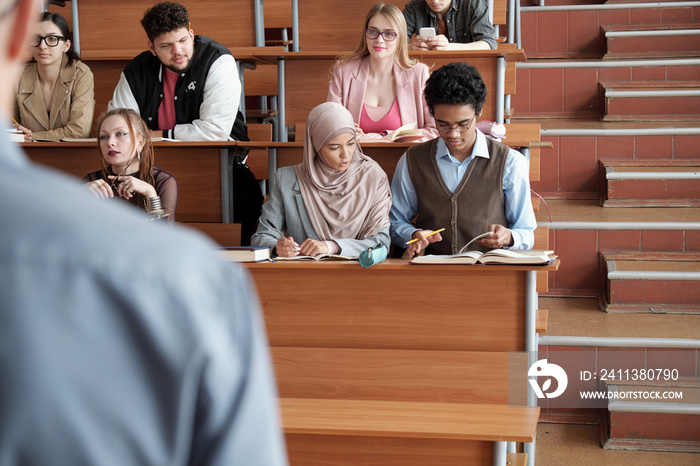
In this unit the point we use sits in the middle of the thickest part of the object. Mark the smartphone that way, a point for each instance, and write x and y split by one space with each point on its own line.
427 32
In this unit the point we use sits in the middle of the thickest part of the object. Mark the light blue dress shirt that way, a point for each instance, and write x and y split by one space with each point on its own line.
123 342
516 190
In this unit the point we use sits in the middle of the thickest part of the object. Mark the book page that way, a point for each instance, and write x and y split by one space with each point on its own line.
316 258
405 132
509 256
469 257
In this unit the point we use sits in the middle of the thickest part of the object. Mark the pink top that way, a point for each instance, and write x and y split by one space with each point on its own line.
166 111
389 122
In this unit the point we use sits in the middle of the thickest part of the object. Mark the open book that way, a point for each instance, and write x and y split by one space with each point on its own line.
405 133
495 256
246 253
320 257
153 139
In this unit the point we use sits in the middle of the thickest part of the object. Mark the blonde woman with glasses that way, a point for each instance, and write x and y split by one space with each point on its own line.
55 97
378 83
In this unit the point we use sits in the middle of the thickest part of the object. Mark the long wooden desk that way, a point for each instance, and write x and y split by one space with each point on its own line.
330 301
524 137
303 77
202 170
393 307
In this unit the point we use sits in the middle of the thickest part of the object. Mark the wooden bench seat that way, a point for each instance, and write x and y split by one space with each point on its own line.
368 418
346 406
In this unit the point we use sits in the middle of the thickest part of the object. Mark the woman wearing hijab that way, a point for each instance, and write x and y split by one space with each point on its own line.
336 201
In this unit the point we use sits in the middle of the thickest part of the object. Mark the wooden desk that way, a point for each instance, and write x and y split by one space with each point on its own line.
283 154
393 309
431 307
197 167
107 66
303 77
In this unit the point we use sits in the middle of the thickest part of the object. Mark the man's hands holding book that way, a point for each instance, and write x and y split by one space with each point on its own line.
500 236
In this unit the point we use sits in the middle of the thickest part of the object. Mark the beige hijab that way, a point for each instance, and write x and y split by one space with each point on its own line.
350 204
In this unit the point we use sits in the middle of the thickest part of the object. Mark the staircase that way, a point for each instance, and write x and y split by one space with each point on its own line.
615 87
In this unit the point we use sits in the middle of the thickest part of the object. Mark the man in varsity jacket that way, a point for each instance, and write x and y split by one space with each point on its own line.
185 87
460 181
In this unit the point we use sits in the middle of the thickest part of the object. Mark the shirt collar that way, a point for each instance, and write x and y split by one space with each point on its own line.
480 148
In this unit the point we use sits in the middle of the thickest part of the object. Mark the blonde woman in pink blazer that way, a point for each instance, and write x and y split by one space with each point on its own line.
379 84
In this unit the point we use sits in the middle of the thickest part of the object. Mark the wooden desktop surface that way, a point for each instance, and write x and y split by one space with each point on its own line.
195 165
307 75
436 307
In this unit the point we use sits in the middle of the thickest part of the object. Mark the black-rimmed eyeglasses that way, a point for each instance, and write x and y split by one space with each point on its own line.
443 128
51 41
372 33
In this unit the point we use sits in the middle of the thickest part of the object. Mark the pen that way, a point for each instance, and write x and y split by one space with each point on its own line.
282 235
429 234
15 122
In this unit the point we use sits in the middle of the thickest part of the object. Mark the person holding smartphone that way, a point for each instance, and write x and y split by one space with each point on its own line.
378 83
455 24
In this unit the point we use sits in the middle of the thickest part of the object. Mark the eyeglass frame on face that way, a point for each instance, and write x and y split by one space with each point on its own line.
369 31
36 40
460 127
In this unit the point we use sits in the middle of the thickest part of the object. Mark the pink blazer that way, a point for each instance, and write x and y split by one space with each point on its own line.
349 83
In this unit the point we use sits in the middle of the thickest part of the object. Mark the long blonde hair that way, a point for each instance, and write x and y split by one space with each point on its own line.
397 21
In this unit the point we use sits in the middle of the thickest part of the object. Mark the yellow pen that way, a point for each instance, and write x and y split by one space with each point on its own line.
15 122
429 234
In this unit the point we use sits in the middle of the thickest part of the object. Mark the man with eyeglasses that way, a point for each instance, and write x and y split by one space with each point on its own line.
461 181
458 25
121 341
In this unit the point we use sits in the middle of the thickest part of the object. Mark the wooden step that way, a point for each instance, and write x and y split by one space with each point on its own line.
652 282
582 228
582 317
351 432
656 183
575 32
652 41
650 101
639 423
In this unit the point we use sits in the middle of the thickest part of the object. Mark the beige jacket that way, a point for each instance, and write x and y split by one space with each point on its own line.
72 106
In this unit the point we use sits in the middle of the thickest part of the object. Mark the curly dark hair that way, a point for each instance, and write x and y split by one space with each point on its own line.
164 17
455 84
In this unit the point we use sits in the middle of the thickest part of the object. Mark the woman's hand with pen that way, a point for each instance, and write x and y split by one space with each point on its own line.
27 132
287 247
421 240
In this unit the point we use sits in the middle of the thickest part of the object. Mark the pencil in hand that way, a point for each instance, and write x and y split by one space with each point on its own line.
425 236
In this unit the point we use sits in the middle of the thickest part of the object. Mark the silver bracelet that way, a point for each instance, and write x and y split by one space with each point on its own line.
154 204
